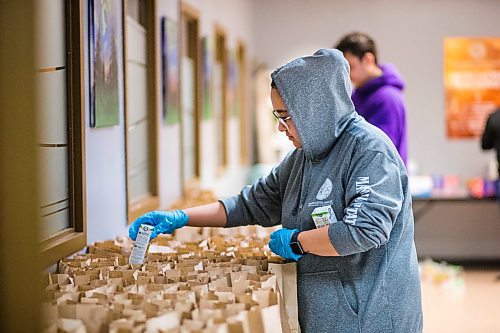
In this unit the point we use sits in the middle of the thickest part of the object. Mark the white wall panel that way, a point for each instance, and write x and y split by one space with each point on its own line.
137 98
50 33
106 192
136 41
188 118
52 116
218 114
170 165
53 174
52 107
139 183
208 154
234 141
54 222
105 162
137 145
137 111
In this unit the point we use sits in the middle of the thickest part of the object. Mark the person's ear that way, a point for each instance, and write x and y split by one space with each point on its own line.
369 58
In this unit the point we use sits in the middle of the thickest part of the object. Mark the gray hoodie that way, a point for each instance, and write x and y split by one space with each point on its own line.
351 166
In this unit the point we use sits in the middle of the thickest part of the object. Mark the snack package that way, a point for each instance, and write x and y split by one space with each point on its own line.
141 244
323 216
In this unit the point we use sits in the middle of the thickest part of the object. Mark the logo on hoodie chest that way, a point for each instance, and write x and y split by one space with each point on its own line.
325 190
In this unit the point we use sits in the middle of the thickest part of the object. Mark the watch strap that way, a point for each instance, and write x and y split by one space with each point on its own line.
295 244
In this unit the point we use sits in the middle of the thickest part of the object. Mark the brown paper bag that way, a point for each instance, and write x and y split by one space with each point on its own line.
189 325
125 326
168 321
261 320
265 298
70 326
251 321
95 317
234 308
286 275
271 319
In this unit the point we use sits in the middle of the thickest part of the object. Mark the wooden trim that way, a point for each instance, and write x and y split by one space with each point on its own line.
189 11
151 202
190 15
75 238
220 32
51 69
243 104
220 29
153 79
53 145
76 131
198 98
20 292
65 242
125 106
181 37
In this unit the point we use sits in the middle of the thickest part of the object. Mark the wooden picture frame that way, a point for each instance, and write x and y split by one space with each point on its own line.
74 238
138 207
104 63
221 56
190 45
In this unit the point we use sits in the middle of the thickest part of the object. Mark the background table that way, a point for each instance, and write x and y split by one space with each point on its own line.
457 229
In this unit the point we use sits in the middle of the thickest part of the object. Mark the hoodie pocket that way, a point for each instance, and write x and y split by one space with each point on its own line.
323 305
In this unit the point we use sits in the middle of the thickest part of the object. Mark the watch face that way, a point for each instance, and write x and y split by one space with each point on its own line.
296 248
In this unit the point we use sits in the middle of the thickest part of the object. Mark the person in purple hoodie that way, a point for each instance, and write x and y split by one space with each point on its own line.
378 94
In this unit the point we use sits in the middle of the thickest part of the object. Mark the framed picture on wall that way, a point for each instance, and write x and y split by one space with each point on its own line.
232 82
207 71
170 71
105 57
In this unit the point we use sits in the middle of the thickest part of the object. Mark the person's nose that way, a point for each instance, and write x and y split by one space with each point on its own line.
281 127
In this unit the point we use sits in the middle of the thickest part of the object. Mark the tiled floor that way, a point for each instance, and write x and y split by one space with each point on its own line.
471 307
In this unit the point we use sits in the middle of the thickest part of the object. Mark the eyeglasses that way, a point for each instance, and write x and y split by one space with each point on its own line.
282 120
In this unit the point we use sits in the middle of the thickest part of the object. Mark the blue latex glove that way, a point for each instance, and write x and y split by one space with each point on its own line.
280 244
164 222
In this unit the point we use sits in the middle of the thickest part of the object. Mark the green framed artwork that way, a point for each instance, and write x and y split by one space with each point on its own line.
106 58
207 79
233 83
170 71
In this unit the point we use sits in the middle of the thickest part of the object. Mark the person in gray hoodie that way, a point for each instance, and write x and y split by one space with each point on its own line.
342 198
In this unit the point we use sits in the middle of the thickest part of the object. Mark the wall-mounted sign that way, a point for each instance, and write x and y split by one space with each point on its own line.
472 84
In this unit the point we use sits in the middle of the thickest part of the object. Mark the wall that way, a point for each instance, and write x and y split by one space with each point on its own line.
106 200
410 35
105 156
234 17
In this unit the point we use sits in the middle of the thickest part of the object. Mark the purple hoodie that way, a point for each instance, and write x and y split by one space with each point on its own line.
380 102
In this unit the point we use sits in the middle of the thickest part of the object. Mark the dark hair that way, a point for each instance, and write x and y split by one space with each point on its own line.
358 44
273 85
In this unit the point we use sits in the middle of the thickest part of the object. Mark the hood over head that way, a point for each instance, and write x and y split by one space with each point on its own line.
317 93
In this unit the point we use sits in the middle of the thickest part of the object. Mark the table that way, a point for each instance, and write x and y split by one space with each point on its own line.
457 229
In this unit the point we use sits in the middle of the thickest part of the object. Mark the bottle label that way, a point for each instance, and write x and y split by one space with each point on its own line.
141 244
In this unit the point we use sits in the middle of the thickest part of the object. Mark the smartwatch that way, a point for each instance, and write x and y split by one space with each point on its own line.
295 244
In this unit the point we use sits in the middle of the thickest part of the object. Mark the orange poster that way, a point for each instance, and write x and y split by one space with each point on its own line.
472 84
